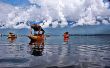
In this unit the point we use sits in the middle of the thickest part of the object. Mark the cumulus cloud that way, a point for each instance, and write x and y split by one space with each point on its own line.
81 11
4 10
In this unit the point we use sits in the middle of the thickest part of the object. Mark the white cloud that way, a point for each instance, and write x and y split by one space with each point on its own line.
83 11
4 10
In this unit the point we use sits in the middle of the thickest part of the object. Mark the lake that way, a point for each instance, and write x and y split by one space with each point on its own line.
79 52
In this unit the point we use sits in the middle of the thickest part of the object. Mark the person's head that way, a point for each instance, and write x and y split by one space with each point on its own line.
66 32
10 33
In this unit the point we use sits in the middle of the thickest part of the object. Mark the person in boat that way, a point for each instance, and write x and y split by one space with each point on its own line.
37 28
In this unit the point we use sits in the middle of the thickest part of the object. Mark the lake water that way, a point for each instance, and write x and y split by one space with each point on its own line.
79 52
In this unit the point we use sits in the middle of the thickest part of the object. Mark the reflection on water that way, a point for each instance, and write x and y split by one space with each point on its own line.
81 51
37 51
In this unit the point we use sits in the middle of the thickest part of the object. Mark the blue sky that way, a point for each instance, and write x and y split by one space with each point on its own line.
22 2
16 2
73 10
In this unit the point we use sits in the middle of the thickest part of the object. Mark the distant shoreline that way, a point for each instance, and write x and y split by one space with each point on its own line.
70 35
89 34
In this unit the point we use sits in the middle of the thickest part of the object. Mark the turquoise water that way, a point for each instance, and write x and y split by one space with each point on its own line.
79 52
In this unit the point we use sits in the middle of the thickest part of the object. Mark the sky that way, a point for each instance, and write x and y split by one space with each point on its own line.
22 2
16 2
82 11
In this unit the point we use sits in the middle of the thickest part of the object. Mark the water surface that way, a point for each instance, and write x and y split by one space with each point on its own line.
79 52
